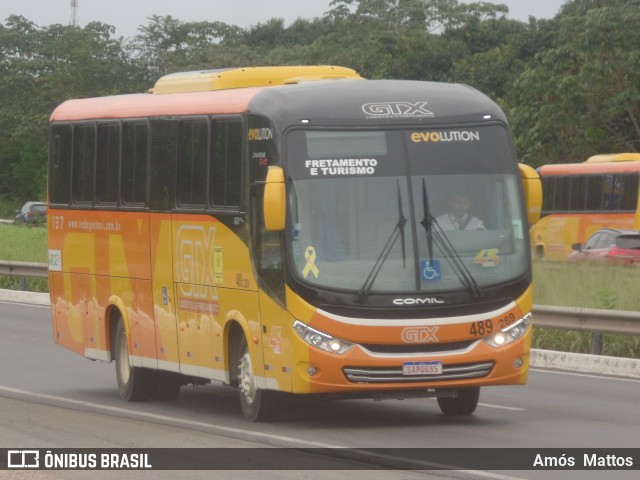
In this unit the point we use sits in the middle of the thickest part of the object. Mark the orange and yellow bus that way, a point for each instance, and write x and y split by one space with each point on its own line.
582 198
275 229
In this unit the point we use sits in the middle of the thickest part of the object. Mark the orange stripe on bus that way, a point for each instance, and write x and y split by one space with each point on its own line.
148 105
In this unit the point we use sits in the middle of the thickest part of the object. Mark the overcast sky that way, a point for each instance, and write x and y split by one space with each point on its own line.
128 15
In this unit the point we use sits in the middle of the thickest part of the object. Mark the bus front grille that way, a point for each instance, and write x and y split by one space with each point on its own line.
395 375
418 348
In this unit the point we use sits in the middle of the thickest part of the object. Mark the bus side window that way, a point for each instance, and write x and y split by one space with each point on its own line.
563 190
164 137
192 163
594 193
84 163
134 163
578 189
60 164
549 189
613 192
629 192
107 163
226 172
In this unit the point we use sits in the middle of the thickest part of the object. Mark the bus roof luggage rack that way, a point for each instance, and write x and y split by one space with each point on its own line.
229 78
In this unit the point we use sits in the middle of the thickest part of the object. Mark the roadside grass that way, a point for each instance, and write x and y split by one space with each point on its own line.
23 244
590 286
562 284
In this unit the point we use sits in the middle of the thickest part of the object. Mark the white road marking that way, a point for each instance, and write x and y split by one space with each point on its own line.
217 428
501 407
276 440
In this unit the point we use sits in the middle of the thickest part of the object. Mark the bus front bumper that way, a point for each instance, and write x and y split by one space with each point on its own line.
360 371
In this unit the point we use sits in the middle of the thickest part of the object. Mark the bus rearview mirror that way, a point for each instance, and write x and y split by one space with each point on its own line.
275 200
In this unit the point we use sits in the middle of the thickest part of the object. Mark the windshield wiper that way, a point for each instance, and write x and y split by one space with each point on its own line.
428 220
401 223
434 231
398 231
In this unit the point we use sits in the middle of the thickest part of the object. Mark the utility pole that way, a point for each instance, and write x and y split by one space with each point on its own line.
73 19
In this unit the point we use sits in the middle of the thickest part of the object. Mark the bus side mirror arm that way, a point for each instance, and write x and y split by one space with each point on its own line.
532 188
275 200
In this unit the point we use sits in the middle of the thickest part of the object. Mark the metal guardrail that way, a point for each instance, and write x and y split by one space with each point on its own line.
23 269
562 318
580 319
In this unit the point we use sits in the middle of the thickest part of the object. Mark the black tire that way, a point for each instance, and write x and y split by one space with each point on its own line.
257 405
166 387
135 384
464 404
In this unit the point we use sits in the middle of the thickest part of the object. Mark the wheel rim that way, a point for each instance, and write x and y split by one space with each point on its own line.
124 367
245 378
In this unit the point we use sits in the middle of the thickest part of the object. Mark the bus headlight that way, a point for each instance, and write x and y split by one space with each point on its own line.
321 340
511 333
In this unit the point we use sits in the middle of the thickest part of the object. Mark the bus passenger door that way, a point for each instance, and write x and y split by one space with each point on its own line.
197 302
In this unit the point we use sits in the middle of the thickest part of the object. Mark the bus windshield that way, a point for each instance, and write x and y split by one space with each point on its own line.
405 210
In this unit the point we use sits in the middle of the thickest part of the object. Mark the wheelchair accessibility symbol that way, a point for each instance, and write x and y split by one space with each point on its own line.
430 270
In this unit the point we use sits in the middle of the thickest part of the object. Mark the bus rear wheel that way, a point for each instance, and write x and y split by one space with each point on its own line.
135 384
464 404
258 405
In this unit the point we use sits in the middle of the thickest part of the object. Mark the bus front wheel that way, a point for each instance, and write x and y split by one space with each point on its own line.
135 384
464 404
258 405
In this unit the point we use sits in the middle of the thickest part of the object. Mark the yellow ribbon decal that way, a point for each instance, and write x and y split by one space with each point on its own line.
310 257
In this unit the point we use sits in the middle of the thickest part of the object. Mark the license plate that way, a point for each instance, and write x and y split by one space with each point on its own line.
422 368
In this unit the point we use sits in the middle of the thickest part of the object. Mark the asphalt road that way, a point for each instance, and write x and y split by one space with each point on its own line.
53 398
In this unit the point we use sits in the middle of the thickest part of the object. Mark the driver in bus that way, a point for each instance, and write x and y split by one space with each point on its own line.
458 217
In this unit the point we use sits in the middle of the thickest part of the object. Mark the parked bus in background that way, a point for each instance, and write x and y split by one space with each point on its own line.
582 198
274 229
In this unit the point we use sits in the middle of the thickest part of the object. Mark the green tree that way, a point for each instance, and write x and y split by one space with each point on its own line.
498 50
168 45
569 85
581 96
410 39
40 67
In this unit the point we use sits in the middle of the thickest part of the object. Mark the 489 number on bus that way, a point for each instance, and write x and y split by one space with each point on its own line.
485 327
481 328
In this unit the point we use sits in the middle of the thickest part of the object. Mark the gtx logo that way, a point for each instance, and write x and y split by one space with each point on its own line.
420 335
397 109
198 262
